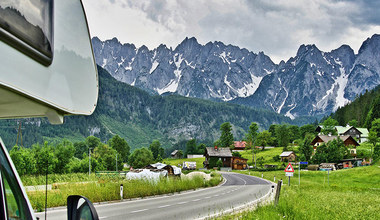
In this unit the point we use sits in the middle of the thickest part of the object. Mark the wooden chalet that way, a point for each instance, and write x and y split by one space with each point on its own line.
221 153
239 163
361 134
288 156
348 141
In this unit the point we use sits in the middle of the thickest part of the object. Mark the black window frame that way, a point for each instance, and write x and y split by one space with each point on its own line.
24 43
9 172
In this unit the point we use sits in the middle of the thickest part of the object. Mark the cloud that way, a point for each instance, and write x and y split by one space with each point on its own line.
276 27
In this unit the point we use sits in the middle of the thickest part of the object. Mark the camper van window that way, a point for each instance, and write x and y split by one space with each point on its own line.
15 203
27 25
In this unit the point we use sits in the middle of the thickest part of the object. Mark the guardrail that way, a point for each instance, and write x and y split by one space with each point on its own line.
110 173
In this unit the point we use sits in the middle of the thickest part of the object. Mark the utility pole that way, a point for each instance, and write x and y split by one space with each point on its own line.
89 161
116 162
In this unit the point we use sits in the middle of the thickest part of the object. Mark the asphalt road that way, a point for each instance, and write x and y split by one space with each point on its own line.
238 191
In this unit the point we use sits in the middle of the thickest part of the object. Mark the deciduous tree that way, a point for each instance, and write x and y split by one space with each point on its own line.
121 146
140 158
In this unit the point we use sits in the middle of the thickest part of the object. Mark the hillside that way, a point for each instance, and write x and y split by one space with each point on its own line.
140 117
364 109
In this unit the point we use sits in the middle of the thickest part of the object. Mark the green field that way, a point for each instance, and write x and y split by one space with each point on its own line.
267 154
176 162
350 194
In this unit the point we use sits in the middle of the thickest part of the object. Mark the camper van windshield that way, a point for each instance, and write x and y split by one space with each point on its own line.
15 202
28 22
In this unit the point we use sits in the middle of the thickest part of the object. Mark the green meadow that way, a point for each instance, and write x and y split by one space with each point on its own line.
344 194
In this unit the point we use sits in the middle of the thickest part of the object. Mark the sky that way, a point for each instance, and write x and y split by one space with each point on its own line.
276 27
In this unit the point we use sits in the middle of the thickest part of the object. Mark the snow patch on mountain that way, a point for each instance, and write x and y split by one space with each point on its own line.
154 66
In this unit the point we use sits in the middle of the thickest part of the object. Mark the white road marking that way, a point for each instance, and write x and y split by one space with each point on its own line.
195 200
141 210
180 203
163 206
103 217
207 197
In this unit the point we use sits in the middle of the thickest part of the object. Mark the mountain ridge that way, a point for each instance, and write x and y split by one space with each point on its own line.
310 84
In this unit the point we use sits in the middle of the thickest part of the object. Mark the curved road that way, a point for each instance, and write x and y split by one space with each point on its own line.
238 191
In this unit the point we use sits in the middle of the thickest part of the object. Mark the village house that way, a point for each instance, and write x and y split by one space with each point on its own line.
218 153
240 145
288 156
239 163
361 134
348 141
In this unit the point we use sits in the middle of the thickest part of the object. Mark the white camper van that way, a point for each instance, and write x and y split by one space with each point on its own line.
47 69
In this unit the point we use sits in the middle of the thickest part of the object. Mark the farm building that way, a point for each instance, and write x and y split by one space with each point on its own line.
239 163
213 154
239 145
176 154
288 156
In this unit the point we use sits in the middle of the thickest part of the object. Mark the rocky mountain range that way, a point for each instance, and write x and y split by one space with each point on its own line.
311 83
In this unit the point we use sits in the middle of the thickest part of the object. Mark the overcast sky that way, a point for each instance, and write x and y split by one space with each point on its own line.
276 27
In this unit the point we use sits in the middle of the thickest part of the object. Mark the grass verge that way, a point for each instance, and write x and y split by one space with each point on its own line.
108 189
350 194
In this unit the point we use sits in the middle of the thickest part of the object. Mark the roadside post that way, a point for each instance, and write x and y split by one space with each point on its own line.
278 190
299 171
289 172
121 191
328 176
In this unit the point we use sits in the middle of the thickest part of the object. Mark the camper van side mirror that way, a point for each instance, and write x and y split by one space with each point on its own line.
79 207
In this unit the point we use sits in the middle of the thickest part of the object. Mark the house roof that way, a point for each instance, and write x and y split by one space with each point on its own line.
327 138
364 132
286 153
218 152
342 130
174 152
240 144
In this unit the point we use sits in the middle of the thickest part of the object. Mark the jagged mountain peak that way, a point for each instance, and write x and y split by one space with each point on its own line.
307 49
373 42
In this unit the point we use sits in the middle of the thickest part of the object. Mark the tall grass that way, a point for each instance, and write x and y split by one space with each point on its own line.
108 189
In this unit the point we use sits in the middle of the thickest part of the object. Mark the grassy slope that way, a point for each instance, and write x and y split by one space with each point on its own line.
352 194
175 162
267 154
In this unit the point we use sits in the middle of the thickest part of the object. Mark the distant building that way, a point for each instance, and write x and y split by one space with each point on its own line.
240 145
176 154
239 163
218 153
288 156
348 141
361 134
